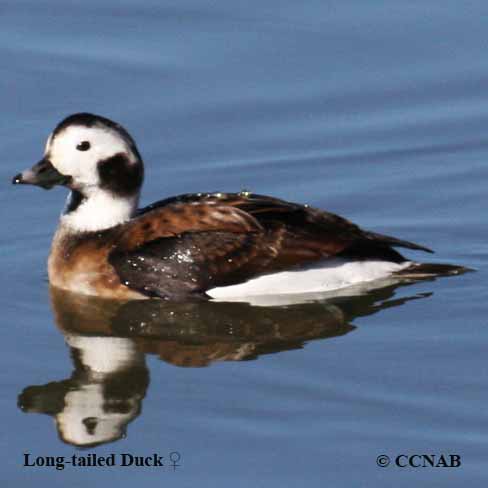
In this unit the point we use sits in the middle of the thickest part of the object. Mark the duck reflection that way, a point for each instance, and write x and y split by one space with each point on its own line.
109 340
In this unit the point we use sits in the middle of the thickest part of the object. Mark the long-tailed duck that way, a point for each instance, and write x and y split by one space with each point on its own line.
205 245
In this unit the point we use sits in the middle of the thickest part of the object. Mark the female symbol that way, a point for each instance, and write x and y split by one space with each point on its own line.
174 458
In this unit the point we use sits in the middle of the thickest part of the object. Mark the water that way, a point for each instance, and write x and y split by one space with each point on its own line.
375 111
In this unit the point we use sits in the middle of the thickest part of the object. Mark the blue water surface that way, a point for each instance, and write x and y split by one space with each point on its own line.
374 110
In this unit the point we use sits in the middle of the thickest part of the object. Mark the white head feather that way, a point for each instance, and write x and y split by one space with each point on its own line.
82 166
77 151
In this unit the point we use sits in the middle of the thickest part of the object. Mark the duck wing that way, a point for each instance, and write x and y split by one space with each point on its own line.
185 245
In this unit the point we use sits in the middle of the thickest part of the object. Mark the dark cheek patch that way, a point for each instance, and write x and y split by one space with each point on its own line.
119 175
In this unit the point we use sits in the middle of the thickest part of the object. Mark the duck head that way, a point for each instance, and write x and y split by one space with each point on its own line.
99 162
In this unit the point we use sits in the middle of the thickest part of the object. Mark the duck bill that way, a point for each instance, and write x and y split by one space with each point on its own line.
42 174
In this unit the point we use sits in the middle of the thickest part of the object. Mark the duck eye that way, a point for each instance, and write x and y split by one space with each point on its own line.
83 146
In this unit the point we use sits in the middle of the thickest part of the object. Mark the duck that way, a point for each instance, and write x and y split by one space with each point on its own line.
220 246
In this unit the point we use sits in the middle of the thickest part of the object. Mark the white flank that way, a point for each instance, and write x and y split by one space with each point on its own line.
330 275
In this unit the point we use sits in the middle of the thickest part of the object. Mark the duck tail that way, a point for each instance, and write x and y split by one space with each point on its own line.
427 270
393 241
